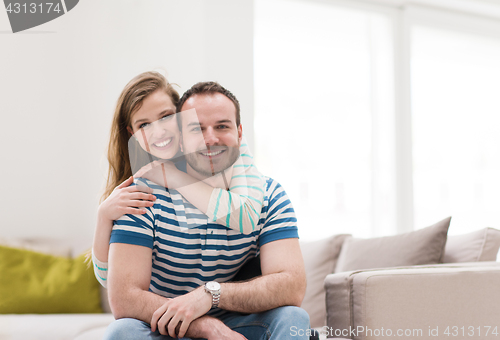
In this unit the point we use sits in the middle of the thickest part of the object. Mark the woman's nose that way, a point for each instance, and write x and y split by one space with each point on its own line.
158 129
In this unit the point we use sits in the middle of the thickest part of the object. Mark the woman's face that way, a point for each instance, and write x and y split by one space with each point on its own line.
155 126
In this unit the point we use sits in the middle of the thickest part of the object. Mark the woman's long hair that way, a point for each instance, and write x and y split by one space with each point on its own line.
129 102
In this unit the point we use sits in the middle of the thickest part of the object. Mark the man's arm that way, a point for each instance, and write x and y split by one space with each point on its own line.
128 285
128 282
283 281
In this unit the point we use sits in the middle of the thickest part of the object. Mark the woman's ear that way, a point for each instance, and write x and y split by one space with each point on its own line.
130 131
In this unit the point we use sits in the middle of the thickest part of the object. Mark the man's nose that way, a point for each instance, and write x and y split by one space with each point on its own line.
210 137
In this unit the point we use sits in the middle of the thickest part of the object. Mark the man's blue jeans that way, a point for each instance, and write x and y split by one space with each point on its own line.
279 324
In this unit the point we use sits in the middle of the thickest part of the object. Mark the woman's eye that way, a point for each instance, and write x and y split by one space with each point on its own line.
143 125
196 129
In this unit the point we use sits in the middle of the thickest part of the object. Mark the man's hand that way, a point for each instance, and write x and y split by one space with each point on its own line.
181 310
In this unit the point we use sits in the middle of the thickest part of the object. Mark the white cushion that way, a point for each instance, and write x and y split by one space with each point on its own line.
480 245
320 258
50 326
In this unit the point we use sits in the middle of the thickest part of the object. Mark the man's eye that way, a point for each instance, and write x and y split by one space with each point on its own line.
166 117
222 127
196 129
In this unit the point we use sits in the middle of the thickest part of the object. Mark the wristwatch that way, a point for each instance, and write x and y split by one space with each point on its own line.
213 288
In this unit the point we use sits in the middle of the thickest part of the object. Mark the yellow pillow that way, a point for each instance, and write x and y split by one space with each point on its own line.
37 283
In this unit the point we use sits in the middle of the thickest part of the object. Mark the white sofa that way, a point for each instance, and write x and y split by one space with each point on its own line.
465 294
424 302
421 280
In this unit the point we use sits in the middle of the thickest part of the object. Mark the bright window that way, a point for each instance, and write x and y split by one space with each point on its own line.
456 128
379 119
316 67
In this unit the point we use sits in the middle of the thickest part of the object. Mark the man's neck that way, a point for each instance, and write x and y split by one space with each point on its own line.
220 180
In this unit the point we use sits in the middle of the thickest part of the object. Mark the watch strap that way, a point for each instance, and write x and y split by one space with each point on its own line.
215 295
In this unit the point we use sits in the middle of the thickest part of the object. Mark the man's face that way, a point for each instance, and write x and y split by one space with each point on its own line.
210 137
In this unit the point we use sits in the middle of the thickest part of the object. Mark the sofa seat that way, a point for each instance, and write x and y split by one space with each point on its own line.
430 299
54 326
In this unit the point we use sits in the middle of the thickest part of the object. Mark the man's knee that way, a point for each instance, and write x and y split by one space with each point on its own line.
125 329
290 316
133 329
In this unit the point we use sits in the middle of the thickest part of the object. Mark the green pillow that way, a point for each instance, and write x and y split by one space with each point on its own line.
36 283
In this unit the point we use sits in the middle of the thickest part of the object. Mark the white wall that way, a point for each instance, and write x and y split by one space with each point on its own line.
59 83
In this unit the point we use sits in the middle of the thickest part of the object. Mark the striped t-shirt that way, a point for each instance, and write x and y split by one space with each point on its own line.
239 207
187 256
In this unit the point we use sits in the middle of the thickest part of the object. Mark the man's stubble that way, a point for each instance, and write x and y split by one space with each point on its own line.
209 167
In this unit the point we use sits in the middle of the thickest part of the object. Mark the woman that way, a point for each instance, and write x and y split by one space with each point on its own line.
146 111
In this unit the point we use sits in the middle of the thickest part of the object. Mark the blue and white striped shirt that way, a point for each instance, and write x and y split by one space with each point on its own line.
186 255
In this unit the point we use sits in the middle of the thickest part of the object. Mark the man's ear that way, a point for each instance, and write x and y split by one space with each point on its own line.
240 133
180 142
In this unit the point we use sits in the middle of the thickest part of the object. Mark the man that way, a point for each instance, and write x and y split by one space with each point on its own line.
176 294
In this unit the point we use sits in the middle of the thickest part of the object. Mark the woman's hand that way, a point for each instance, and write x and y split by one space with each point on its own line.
126 199
159 172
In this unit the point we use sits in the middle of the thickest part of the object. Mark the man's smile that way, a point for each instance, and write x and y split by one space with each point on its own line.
212 153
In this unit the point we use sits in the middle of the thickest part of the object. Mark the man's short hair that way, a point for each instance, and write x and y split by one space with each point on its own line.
209 87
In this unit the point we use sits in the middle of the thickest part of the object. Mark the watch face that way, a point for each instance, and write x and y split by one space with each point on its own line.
213 285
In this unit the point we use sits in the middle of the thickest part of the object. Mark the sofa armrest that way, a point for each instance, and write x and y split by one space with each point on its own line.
416 299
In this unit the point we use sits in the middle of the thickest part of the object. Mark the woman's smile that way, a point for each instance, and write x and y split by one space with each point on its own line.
162 144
